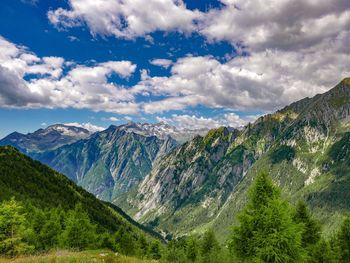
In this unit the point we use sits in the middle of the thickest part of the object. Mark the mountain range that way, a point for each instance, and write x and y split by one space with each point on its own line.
179 181
50 138
107 163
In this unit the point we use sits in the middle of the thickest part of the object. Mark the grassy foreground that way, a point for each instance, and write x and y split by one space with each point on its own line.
64 256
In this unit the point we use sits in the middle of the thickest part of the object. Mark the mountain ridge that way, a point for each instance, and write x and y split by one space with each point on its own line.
49 138
297 136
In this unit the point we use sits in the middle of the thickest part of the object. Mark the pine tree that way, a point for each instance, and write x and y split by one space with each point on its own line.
143 246
107 241
210 248
343 241
175 251
321 253
125 243
155 250
79 232
51 230
311 232
266 232
192 249
12 229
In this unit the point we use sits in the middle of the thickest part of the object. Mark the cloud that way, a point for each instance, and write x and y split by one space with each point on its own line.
114 119
88 126
127 19
287 50
164 63
73 38
31 2
28 81
277 24
14 92
263 81
257 25
193 122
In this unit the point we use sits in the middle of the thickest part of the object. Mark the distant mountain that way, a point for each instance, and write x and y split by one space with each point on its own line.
30 181
162 130
111 162
46 139
305 147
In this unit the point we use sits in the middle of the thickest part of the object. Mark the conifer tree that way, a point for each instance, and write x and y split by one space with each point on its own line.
107 241
12 221
321 253
143 245
79 232
311 232
210 248
51 230
192 249
343 241
125 243
175 252
155 250
266 232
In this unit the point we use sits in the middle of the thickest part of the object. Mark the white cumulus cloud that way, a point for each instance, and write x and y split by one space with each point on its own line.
86 125
125 18
161 62
28 81
194 122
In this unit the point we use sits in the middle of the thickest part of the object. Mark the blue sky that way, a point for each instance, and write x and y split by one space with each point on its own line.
191 63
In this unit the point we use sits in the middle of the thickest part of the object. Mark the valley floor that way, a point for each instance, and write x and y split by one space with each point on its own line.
65 256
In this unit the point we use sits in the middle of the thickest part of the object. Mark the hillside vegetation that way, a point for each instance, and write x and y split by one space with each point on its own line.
48 210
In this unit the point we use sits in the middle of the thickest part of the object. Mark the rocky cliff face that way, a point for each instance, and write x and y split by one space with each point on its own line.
204 182
108 163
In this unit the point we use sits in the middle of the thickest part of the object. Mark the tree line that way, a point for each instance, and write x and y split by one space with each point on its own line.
270 230
25 229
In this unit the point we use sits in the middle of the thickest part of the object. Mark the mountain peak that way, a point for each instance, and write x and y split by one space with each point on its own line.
63 128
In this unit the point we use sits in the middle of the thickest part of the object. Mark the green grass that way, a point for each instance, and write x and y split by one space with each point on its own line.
65 256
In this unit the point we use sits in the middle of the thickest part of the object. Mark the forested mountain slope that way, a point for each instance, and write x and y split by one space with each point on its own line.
33 183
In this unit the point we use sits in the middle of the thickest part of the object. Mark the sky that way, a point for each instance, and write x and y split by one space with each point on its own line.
190 63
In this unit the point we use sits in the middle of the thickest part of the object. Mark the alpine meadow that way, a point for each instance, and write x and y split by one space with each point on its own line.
175 131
